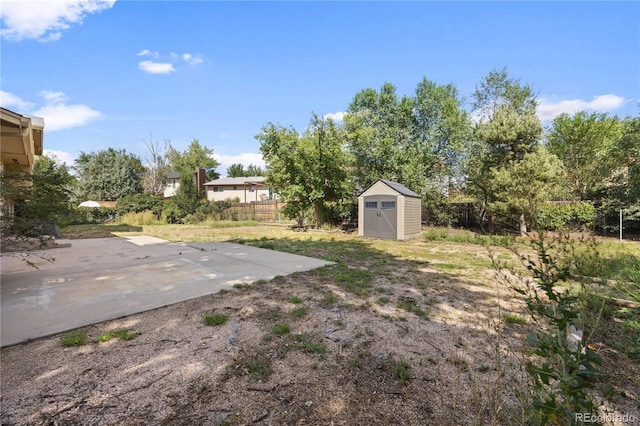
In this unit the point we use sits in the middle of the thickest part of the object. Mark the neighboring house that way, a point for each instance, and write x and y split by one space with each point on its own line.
173 181
246 189
21 140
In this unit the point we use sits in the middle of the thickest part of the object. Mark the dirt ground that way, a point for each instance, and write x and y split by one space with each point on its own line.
415 345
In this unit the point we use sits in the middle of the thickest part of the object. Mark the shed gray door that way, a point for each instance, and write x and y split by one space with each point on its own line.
381 216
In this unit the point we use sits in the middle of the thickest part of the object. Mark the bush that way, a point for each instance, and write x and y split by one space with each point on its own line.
206 210
171 213
573 216
565 367
138 203
142 218
84 215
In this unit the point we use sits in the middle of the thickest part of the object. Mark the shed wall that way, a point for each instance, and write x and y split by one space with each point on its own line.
361 216
412 218
409 213
401 210
379 188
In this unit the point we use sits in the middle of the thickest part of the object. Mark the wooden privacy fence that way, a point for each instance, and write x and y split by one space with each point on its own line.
459 215
263 211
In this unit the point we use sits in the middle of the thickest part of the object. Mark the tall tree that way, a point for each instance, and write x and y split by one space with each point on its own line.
253 170
522 186
507 130
155 176
441 132
622 189
378 127
195 156
235 170
586 144
308 170
238 170
108 175
417 141
45 197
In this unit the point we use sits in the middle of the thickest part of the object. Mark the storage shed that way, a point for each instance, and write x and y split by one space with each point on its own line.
389 210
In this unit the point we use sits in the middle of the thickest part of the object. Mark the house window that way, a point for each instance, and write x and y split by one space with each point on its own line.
218 189
388 204
252 188
370 204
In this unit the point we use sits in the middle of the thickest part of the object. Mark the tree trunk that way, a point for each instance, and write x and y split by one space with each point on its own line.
317 212
523 226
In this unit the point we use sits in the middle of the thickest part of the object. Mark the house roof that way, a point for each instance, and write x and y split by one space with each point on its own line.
252 180
21 137
399 188
173 175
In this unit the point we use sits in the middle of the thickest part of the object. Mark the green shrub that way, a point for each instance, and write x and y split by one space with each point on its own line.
304 342
573 216
118 334
295 300
401 371
215 319
86 215
299 312
171 213
138 203
141 218
281 329
564 368
258 367
510 318
76 338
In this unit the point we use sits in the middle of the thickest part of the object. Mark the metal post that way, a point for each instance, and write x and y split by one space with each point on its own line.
620 224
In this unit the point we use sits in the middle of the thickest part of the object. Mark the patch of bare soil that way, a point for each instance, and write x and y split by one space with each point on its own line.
418 347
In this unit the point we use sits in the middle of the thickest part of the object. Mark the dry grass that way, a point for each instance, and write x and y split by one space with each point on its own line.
396 333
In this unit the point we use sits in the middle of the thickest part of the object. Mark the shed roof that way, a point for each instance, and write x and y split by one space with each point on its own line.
399 188
237 181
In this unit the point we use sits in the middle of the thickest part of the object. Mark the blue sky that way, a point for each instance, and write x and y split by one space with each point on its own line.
114 74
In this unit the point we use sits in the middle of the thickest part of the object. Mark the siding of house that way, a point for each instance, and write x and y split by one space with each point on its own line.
229 192
171 187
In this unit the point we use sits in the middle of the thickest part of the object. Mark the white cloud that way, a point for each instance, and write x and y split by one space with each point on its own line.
548 110
147 52
61 157
156 67
56 113
168 64
59 116
335 116
14 103
45 21
245 159
192 60
62 116
53 97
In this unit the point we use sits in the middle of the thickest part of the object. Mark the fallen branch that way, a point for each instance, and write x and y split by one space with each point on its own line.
262 388
143 386
263 417
626 303
66 408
